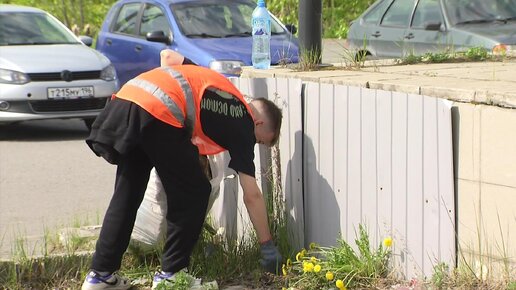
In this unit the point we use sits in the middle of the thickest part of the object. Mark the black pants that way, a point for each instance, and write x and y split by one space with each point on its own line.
176 160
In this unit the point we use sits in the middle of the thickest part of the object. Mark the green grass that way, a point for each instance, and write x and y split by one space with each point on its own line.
235 261
470 55
326 267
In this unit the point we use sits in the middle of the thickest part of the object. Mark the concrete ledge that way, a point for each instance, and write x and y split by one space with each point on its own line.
489 83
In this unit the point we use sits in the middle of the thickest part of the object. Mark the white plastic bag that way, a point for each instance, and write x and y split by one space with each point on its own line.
150 225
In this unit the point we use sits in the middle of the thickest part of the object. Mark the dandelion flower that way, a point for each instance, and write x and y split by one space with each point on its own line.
308 267
313 260
387 242
284 270
300 255
289 263
340 284
313 245
329 276
317 268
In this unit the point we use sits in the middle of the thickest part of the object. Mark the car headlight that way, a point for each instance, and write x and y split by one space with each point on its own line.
108 73
230 67
13 77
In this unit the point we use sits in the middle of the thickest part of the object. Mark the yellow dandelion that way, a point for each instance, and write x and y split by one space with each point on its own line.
308 267
284 270
313 260
300 255
340 284
317 268
289 263
387 242
329 276
313 245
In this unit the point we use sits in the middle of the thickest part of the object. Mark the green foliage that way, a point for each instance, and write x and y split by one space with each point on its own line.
437 57
182 281
84 17
441 276
476 53
336 14
511 286
323 267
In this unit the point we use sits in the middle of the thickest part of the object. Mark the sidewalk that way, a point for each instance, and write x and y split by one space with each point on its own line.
491 83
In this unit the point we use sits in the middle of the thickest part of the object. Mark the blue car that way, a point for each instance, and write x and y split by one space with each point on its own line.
212 33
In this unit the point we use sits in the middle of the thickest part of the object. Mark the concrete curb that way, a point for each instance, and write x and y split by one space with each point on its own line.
488 83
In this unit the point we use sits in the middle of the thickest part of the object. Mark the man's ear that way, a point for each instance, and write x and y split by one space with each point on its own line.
258 122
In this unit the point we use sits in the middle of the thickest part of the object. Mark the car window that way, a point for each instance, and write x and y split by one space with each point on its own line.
398 14
374 15
217 19
153 19
471 11
427 11
21 28
126 19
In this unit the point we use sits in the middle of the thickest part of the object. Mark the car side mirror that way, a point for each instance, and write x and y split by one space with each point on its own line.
88 41
158 36
434 26
291 28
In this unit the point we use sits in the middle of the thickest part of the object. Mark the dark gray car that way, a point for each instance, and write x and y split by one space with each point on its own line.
397 28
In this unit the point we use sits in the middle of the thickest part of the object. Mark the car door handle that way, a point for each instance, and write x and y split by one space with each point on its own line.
108 41
138 48
409 36
377 34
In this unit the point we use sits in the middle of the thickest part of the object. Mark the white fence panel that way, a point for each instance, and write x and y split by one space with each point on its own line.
353 156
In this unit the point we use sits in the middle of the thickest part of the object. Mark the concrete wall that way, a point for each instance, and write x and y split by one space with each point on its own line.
485 180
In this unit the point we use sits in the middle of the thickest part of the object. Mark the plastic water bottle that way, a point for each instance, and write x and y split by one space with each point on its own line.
261 23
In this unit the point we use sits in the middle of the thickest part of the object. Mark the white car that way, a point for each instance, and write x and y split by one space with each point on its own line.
46 72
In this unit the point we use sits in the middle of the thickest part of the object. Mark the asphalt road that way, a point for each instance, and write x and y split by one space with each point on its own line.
49 179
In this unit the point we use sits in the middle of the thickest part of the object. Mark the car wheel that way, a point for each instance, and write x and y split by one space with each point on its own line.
89 122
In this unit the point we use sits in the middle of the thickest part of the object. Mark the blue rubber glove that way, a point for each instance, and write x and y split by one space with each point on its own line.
271 258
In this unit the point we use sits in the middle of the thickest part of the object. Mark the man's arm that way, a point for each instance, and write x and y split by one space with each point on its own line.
255 204
253 199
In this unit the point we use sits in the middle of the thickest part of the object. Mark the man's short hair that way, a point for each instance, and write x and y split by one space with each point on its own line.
275 116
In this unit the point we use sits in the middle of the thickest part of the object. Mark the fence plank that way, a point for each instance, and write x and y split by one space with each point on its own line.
414 236
354 206
341 156
369 164
384 140
399 180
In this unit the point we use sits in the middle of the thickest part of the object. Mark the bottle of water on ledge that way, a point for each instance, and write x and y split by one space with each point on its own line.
261 24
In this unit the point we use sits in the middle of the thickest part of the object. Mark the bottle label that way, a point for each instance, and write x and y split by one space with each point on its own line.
261 26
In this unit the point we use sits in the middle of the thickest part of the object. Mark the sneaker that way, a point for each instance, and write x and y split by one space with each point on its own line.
166 278
95 281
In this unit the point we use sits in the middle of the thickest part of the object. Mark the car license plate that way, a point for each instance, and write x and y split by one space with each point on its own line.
70 92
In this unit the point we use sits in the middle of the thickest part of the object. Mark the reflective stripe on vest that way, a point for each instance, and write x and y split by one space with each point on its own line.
187 92
171 105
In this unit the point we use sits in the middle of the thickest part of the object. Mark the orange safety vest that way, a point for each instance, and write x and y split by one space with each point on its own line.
173 95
